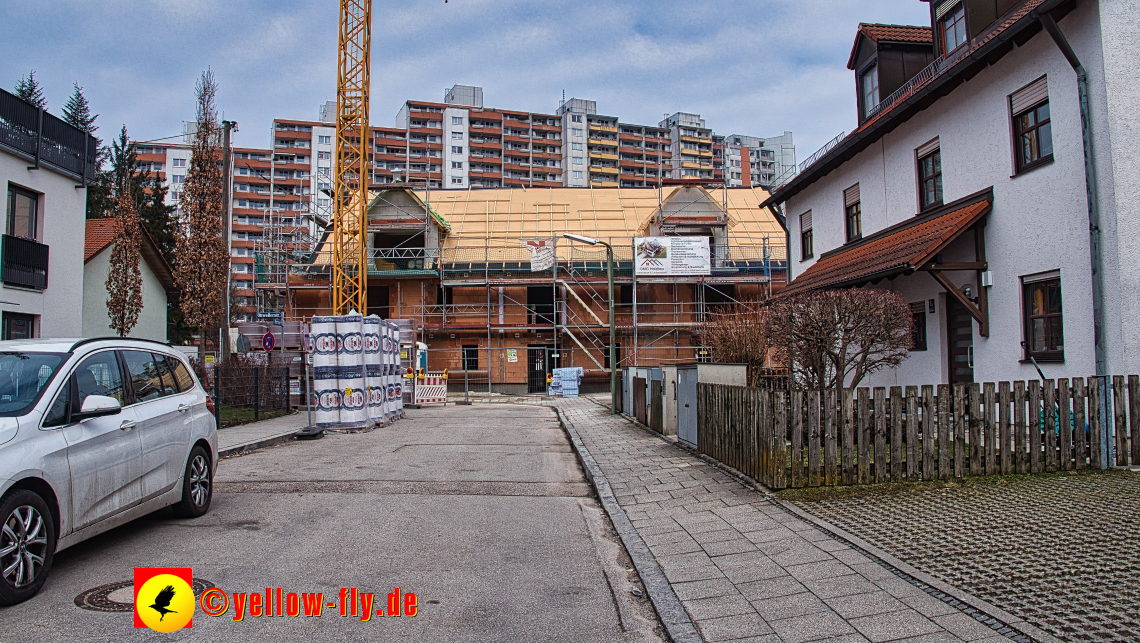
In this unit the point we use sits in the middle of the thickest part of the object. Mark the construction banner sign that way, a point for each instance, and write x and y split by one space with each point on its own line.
671 256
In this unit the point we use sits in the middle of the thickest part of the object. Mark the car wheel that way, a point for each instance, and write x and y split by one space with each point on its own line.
27 545
197 485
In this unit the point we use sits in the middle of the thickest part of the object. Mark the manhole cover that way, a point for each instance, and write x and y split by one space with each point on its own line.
119 597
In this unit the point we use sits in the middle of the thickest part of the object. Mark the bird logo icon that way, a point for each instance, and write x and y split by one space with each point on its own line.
162 602
164 599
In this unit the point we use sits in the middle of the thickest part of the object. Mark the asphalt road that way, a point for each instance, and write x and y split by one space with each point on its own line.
481 511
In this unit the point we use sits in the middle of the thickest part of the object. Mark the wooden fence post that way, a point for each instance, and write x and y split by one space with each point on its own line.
1120 416
761 447
960 454
1065 420
1050 410
829 455
1034 426
813 435
880 435
1019 454
1134 416
1004 430
944 431
863 415
1094 417
1080 427
779 441
896 434
975 429
928 432
989 440
797 462
848 438
912 433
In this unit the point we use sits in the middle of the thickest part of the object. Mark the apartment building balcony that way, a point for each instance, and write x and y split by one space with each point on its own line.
44 138
607 142
487 145
609 156
487 127
602 127
23 262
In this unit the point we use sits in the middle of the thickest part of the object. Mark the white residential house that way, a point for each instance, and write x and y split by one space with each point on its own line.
963 188
45 165
158 286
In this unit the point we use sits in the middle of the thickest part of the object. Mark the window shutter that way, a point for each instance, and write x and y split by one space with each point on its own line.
927 148
944 8
918 307
1029 95
805 221
851 195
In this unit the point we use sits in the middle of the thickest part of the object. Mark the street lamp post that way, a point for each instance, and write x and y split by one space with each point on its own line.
613 315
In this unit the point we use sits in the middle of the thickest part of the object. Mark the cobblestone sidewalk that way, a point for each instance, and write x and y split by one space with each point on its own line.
746 569
1062 552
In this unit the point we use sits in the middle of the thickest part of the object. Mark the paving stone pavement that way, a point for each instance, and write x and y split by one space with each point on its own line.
745 568
1061 552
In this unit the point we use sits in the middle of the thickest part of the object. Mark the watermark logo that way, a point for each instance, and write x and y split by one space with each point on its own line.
164 598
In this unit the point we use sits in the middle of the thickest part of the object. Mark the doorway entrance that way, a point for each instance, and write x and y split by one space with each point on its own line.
960 341
541 359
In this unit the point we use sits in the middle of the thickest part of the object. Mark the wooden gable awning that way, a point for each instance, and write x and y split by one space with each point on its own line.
907 247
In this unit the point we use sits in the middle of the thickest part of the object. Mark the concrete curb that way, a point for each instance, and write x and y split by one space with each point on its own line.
254 445
669 609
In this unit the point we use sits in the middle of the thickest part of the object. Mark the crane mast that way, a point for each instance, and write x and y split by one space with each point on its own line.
350 221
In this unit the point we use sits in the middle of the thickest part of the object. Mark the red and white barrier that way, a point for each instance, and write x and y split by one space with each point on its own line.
431 387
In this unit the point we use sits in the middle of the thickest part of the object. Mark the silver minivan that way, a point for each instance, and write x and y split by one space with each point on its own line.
94 433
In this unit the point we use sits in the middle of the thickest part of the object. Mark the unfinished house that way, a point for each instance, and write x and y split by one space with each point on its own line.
500 297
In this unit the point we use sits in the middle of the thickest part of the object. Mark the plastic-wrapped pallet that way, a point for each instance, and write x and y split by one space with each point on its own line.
350 336
373 367
388 408
326 371
397 371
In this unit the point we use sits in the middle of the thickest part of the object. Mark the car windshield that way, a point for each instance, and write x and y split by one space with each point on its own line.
23 377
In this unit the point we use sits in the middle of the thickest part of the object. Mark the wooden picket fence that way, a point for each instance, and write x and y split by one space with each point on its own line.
863 436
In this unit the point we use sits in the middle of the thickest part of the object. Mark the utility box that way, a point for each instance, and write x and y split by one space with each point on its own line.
728 374
686 404
669 403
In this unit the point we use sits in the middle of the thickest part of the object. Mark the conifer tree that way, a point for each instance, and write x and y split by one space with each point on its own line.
77 111
28 88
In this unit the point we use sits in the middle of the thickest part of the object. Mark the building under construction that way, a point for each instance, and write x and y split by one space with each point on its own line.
500 297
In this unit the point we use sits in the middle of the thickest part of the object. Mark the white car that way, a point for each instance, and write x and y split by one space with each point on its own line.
94 433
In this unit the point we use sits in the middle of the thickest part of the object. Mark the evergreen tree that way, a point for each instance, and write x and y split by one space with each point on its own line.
77 111
28 88
159 218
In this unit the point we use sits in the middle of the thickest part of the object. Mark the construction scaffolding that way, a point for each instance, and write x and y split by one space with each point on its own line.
487 274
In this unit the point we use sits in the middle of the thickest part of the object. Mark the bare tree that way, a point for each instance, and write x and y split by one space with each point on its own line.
837 337
738 334
124 281
203 263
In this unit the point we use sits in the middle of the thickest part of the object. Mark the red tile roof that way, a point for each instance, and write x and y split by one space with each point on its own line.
100 234
897 33
892 251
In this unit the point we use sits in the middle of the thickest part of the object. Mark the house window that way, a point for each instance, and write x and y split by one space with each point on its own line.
952 27
1032 128
178 163
324 156
18 326
457 165
470 358
870 90
930 179
456 149
576 146
576 174
577 160
458 180
576 118
576 131
325 140
457 136
456 120
807 251
853 213
1041 308
918 329
23 212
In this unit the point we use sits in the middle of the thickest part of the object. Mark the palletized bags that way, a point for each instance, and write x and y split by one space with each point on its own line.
326 371
350 336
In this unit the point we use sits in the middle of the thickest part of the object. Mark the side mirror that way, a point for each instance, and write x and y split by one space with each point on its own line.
97 406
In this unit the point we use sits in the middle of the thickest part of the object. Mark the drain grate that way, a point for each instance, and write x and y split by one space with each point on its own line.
98 599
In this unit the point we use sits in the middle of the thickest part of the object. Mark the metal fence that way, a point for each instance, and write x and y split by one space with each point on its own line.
244 394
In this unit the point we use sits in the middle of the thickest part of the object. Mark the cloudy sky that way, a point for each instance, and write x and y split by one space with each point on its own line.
756 67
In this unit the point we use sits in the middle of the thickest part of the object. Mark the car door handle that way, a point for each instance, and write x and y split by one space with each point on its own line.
182 408
127 425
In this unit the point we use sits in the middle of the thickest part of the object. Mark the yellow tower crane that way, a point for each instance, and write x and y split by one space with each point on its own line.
350 221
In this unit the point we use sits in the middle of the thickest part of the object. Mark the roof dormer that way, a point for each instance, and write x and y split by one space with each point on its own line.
884 57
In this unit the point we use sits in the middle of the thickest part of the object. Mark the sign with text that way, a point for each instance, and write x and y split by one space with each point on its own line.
671 256
541 253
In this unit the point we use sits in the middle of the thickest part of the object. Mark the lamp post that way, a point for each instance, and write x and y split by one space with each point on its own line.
613 328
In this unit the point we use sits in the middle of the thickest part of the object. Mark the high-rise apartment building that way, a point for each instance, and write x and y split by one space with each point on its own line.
751 161
694 156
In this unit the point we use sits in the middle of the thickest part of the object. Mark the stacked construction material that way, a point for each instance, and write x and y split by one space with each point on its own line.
353 371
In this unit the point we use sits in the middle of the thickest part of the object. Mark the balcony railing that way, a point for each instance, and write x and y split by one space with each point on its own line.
909 86
23 262
47 139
